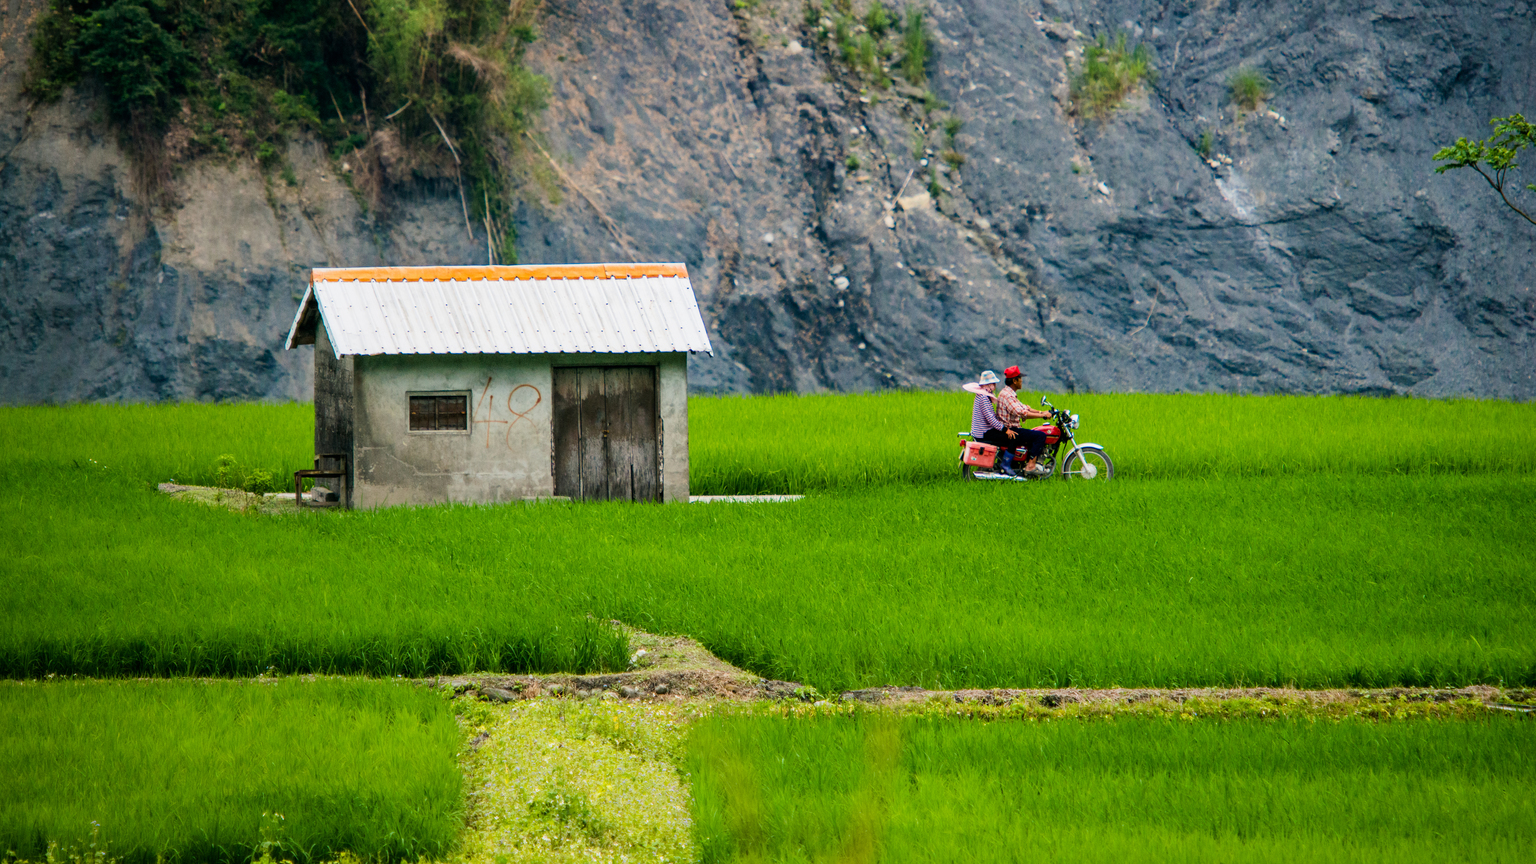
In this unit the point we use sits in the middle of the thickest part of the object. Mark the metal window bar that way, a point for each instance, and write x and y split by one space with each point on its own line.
439 413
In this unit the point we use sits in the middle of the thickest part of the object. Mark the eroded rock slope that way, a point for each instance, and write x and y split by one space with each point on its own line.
1320 255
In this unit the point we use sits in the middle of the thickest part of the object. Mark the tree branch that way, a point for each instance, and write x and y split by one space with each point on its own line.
1499 188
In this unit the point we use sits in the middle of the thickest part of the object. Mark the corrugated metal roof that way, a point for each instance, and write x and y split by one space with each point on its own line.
536 309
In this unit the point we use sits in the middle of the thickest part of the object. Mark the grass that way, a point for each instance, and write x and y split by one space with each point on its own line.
866 43
1149 436
1322 581
917 45
1250 540
184 771
1249 88
577 781
1110 72
872 787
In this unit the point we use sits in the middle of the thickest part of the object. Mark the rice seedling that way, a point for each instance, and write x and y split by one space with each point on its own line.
762 444
1316 581
933 789
220 772
156 443
783 444
1259 552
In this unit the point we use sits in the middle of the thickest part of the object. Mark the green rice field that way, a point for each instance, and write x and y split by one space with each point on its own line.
1407 559
790 444
935 789
795 444
1245 541
221 772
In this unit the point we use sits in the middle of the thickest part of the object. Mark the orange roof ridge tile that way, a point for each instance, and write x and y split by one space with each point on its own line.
473 273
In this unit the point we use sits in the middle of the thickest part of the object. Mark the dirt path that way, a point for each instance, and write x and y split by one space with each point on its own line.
676 668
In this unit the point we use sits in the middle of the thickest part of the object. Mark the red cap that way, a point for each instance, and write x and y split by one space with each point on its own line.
1012 372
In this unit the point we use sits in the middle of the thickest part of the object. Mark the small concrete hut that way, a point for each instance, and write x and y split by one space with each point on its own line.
503 383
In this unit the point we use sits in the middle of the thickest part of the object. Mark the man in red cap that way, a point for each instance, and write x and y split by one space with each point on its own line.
1013 413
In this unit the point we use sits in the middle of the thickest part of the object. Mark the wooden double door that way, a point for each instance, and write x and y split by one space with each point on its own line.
606 442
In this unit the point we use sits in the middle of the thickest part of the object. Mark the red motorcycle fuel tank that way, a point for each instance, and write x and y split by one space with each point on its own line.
1052 433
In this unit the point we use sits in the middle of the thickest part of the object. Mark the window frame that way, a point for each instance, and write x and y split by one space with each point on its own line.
469 419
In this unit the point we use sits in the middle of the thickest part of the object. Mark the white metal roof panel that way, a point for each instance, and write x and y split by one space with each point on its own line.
383 312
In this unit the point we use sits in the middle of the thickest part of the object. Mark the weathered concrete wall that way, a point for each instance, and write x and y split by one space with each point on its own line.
333 404
506 454
672 404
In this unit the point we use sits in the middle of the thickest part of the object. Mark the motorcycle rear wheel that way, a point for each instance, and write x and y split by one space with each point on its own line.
965 472
1088 465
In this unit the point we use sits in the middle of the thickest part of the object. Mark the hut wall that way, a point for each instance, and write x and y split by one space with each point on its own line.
333 403
506 451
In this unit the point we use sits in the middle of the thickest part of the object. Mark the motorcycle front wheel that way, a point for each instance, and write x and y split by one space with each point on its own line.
1088 465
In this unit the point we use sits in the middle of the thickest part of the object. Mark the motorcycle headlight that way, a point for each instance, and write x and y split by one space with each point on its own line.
1074 421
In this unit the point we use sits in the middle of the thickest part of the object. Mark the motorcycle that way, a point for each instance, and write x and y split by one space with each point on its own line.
1084 461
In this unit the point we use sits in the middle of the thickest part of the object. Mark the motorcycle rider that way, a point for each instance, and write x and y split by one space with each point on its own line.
1012 413
986 428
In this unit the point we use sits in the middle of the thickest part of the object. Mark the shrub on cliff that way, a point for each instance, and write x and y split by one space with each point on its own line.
1110 72
1249 88
915 42
141 66
241 76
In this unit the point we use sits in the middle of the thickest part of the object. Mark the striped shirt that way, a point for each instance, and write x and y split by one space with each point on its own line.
983 418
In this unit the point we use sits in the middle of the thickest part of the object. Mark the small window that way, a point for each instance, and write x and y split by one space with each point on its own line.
439 413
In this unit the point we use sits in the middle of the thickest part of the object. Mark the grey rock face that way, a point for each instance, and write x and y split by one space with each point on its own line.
1315 251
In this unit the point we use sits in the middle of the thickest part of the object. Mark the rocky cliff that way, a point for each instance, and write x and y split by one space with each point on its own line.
1311 249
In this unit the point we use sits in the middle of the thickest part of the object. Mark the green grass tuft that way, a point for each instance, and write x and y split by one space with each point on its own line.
877 19
1110 72
917 45
1249 88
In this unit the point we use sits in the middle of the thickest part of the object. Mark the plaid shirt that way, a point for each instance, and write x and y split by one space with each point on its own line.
1009 409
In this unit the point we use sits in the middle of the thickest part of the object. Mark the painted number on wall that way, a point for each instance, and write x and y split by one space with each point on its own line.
485 410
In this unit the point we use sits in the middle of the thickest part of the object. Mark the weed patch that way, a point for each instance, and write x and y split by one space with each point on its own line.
879 39
1249 88
1110 72
557 781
